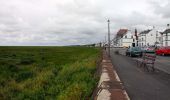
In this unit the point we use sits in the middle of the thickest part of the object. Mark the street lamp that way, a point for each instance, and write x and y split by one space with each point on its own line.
108 37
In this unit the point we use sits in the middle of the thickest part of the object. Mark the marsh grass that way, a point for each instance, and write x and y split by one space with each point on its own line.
47 73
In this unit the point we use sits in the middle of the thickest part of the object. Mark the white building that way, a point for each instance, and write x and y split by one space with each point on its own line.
142 37
123 38
166 37
150 38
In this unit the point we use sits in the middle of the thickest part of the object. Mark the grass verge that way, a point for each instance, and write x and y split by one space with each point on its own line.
62 73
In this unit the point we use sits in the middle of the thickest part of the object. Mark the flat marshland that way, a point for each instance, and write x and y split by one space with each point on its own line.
47 73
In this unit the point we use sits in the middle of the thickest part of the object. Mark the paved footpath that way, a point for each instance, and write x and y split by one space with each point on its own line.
110 87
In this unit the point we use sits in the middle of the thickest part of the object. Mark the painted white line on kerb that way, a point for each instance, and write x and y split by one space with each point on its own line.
104 77
117 77
104 95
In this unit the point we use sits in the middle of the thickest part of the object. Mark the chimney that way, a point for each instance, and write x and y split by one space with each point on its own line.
168 26
136 34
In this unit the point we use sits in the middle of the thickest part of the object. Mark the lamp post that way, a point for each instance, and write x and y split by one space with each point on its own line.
145 39
108 37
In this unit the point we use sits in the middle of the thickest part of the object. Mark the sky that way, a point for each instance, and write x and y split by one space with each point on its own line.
76 22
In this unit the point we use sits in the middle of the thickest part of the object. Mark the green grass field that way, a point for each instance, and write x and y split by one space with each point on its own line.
47 73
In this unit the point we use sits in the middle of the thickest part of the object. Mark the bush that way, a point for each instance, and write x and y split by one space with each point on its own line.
13 55
42 64
13 68
27 61
24 75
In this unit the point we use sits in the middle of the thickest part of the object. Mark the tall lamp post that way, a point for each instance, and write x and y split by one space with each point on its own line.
108 37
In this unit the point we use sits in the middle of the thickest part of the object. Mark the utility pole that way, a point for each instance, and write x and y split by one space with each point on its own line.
136 35
105 39
156 38
145 39
108 37
166 38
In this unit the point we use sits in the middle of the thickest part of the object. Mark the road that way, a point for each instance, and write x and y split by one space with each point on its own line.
140 84
162 62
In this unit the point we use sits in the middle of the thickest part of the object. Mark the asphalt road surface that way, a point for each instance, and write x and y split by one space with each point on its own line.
162 62
140 84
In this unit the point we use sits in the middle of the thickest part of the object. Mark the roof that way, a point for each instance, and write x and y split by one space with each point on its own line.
166 31
145 32
122 32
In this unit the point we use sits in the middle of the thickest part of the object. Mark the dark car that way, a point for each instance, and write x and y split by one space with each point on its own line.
150 49
134 51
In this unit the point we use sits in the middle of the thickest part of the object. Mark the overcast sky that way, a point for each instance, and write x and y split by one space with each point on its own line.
70 22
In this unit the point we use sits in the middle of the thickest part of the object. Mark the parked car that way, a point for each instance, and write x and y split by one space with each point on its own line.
163 51
150 49
143 49
134 51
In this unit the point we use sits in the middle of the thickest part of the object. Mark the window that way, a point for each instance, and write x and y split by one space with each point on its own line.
142 39
151 34
159 38
125 36
132 37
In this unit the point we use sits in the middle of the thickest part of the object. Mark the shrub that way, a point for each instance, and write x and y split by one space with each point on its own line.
13 55
24 75
27 61
13 68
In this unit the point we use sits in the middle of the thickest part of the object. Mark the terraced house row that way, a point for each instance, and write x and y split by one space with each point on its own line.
150 37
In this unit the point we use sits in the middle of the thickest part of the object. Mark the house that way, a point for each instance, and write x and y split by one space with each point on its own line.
142 38
150 37
123 38
166 37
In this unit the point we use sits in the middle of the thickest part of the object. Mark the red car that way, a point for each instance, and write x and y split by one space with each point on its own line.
163 51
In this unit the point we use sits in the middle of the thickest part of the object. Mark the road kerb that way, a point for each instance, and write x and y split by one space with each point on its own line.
110 86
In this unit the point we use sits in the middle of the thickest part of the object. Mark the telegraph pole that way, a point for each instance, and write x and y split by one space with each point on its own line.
108 37
166 38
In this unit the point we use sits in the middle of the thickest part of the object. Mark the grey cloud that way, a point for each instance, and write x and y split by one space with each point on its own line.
162 8
68 22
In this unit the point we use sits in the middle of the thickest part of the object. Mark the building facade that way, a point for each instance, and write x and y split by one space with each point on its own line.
166 37
142 38
123 38
150 38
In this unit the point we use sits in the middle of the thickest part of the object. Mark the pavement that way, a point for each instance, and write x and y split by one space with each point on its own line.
140 84
110 87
